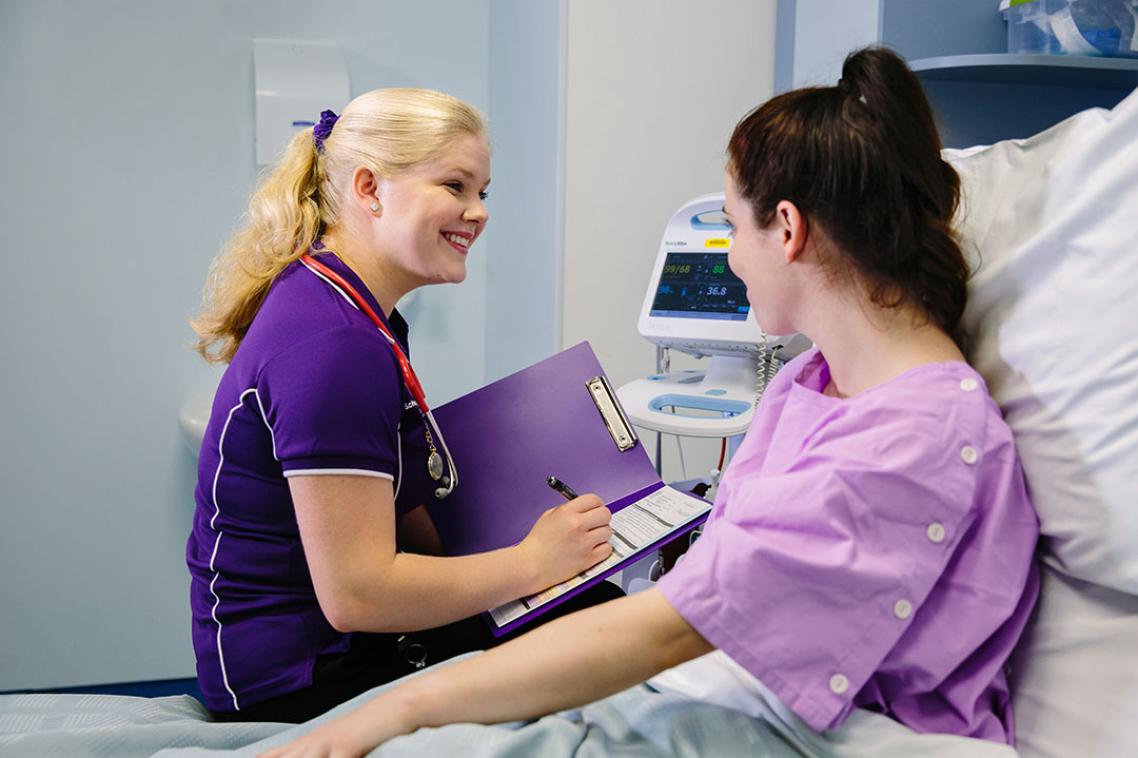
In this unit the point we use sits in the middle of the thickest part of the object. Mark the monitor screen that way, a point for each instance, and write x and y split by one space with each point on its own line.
700 285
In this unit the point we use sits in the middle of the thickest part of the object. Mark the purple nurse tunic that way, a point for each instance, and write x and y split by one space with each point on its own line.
872 552
314 388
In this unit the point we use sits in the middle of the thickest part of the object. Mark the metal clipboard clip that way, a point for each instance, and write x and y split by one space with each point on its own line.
616 422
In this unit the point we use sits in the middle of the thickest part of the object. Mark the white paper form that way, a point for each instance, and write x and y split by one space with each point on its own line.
634 527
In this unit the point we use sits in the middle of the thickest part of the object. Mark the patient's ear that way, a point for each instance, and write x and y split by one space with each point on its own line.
792 228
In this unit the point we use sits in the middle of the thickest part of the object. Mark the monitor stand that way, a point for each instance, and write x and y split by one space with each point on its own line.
718 402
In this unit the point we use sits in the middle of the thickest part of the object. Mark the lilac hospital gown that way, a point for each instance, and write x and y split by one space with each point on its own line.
873 552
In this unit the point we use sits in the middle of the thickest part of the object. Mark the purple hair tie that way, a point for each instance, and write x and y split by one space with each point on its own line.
321 131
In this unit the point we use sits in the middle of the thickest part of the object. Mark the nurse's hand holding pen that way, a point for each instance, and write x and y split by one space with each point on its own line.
568 539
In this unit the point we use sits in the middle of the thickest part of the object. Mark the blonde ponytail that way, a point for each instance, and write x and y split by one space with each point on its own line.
387 131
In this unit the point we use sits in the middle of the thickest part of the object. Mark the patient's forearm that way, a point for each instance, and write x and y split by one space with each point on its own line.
566 663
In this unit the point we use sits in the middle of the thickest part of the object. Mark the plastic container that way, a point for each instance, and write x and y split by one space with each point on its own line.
1072 27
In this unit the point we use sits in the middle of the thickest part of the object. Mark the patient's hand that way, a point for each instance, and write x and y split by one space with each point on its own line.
349 736
568 539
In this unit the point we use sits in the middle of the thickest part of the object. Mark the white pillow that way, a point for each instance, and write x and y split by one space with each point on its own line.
1053 323
1051 224
1075 674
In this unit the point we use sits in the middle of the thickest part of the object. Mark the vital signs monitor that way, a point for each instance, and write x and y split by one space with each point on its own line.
695 304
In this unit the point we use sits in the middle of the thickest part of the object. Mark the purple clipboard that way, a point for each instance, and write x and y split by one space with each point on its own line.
508 437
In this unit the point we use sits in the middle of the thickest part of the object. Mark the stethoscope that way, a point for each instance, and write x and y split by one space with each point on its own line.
434 460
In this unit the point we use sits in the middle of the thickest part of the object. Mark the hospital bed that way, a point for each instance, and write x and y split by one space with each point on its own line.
1050 225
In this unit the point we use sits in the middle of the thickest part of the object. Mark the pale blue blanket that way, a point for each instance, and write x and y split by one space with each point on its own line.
640 721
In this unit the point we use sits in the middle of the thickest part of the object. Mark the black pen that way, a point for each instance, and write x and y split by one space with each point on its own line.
561 487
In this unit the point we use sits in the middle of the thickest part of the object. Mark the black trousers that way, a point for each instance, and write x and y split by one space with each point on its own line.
376 659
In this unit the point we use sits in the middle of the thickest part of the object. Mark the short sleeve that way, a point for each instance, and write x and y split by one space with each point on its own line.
809 576
333 404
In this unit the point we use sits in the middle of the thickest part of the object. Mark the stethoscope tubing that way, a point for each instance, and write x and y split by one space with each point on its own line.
414 386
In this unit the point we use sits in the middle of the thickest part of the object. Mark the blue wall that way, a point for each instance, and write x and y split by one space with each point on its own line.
526 113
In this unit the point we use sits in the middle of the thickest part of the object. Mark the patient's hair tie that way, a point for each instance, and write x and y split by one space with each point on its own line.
846 89
321 131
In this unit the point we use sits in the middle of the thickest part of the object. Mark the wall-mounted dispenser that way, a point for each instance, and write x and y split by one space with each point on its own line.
295 80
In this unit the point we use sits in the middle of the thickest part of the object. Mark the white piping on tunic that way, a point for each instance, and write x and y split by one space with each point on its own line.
398 459
272 437
217 542
348 471
334 286
347 297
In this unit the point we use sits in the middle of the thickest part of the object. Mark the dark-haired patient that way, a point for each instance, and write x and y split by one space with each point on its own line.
871 544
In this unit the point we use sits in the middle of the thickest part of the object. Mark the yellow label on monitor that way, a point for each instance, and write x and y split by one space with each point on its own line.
718 242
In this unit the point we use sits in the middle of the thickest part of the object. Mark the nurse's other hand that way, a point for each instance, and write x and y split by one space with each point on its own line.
568 539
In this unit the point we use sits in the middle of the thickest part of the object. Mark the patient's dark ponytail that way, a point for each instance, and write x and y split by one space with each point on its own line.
862 160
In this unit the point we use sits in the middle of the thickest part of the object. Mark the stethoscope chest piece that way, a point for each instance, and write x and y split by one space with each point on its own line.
435 465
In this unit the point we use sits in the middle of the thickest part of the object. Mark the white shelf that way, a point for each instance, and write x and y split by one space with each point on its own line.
1046 70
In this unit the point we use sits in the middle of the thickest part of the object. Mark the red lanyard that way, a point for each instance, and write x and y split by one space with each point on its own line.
409 378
